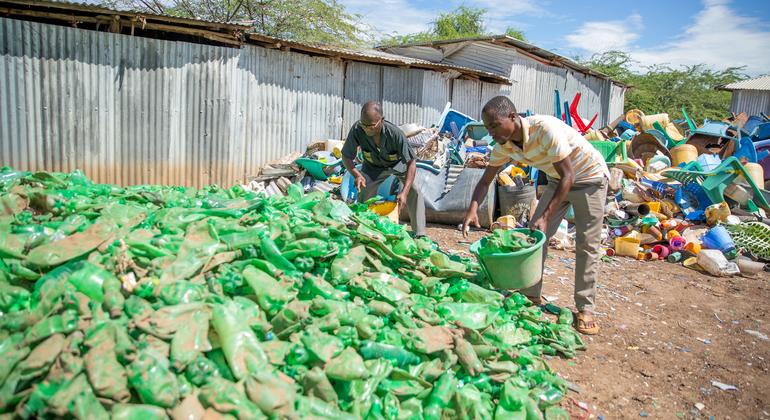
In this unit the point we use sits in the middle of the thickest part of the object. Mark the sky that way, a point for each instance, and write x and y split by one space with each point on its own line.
718 33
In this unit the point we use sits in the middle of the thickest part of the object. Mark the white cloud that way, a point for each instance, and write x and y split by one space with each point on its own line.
596 37
718 37
389 17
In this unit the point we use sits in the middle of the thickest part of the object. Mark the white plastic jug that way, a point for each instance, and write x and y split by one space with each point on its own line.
715 263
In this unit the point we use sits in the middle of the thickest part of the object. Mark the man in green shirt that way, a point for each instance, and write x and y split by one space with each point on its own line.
385 152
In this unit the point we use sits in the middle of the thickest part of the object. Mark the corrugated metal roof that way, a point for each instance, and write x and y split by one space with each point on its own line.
155 26
371 55
757 83
524 47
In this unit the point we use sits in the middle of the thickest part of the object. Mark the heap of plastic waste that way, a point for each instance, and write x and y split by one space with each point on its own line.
151 301
504 241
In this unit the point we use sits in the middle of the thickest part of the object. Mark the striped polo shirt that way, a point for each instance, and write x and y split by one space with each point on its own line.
548 140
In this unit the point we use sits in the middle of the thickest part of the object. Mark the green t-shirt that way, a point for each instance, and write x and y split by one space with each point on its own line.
392 154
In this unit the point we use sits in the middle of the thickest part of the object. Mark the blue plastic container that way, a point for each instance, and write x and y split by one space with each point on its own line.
349 191
762 132
623 126
693 201
709 162
746 150
753 122
628 134
454 117
718 238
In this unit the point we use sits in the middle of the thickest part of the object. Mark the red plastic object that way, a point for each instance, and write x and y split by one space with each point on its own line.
577 121
661 250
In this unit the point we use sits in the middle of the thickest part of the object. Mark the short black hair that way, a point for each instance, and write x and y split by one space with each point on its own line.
499 106
372 106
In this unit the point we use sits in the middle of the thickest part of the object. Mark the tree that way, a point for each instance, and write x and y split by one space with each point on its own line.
462 22
661 88
314 21
515 33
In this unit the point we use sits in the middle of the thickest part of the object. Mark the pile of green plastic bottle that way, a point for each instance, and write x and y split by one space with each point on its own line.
505 241
153 302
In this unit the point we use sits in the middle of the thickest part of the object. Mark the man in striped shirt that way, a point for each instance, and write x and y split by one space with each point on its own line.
577 175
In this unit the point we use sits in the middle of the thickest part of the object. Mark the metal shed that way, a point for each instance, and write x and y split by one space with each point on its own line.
135 98
534 73
751 96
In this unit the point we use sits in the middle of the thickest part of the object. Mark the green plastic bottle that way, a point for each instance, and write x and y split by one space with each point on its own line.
373 350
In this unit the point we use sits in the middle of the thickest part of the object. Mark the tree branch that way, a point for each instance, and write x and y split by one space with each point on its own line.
235 11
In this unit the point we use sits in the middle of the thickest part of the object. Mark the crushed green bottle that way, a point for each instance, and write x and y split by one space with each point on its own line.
148 301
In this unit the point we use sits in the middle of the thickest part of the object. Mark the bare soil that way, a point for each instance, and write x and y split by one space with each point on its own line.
668 332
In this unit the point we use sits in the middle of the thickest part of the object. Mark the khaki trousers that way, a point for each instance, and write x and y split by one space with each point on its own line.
588 200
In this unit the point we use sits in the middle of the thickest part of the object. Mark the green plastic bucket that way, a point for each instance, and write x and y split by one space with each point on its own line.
514 270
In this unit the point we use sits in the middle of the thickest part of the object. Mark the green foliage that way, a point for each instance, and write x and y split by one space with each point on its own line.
314 21
515 33
462 22
661 88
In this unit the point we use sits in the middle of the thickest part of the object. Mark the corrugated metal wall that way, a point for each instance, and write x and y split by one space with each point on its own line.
751 102
130 110
617 102
533 83
289 100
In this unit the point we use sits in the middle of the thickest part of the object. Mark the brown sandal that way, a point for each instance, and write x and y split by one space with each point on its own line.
581 325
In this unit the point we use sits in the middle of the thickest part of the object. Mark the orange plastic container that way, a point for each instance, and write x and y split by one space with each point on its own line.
692 247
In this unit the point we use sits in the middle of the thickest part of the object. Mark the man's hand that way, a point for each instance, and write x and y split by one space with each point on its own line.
360 183
401 200
471 218
540 224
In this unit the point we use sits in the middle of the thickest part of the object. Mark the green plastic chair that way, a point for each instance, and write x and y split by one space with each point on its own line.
316 168
689 121
670 143
611 150
715 182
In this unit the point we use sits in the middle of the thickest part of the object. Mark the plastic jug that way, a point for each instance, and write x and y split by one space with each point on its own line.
717 213
756 172
684 153
718 238
715 263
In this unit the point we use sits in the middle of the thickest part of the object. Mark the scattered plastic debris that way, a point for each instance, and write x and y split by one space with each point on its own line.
757 334
723 386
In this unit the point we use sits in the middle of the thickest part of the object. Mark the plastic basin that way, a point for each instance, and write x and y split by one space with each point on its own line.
514 270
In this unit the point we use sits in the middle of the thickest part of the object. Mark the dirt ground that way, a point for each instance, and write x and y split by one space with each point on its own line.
668 333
